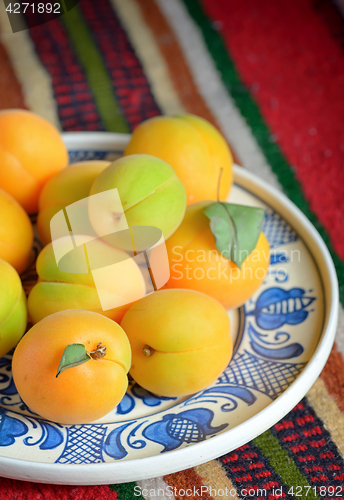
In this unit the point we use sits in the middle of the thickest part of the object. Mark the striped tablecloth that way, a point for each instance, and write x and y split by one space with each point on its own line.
270 75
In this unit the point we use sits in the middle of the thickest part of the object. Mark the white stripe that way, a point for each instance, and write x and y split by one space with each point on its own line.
153 62
154 488
340 330
34 79
214 93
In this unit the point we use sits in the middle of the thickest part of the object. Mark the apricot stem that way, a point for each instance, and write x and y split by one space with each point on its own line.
99 352
150 272
147 350
219 184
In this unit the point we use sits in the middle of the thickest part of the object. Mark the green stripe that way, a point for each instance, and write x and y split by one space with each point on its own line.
250 111
95 71
284 465
127 491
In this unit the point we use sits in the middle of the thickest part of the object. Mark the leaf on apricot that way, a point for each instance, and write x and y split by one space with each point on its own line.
73 355
236 229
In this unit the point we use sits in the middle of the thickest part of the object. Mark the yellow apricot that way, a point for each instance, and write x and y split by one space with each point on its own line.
57 290
13 312
193 147
68 186
180 341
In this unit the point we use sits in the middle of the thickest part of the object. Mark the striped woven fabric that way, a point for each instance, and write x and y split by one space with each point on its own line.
270 76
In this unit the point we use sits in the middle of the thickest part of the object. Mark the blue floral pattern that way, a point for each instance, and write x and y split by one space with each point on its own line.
277 306
190 426
10 428
134 393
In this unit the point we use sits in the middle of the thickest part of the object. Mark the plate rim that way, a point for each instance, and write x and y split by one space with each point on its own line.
190 456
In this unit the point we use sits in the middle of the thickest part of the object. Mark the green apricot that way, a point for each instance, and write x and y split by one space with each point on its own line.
150 192
13 311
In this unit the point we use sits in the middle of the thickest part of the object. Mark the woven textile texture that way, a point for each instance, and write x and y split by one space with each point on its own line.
270 76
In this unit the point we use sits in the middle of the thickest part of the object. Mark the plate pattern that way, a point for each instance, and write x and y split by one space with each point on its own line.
270 353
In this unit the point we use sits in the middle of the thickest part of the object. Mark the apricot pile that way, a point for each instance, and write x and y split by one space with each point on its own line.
93 311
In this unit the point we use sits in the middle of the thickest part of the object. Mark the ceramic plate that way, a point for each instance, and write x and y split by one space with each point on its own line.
283 336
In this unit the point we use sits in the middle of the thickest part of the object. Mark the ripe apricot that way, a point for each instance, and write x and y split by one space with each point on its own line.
31 151
80 394
193 147
150 192
66 187
57 290
13 312
196 264
16 233
180 341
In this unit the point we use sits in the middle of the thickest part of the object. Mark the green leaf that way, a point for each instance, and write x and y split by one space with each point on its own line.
221 226
73 355
236 229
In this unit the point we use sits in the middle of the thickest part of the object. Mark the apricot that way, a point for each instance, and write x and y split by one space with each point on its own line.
31 151
13 313
193 147
150 192
196 264
16 233
66 187
58 290
82 393
180 341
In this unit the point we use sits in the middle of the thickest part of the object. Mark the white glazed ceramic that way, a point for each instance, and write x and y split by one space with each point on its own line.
283 336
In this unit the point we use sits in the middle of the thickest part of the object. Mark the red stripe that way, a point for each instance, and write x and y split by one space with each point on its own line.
10 489
250 470
311 447
288 57
76 106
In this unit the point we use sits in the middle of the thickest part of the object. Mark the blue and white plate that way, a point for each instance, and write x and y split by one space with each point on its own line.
283 336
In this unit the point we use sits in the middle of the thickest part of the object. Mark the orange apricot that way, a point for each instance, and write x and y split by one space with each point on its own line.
196 264
193 147
180 341
16 233
31 151
82 393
